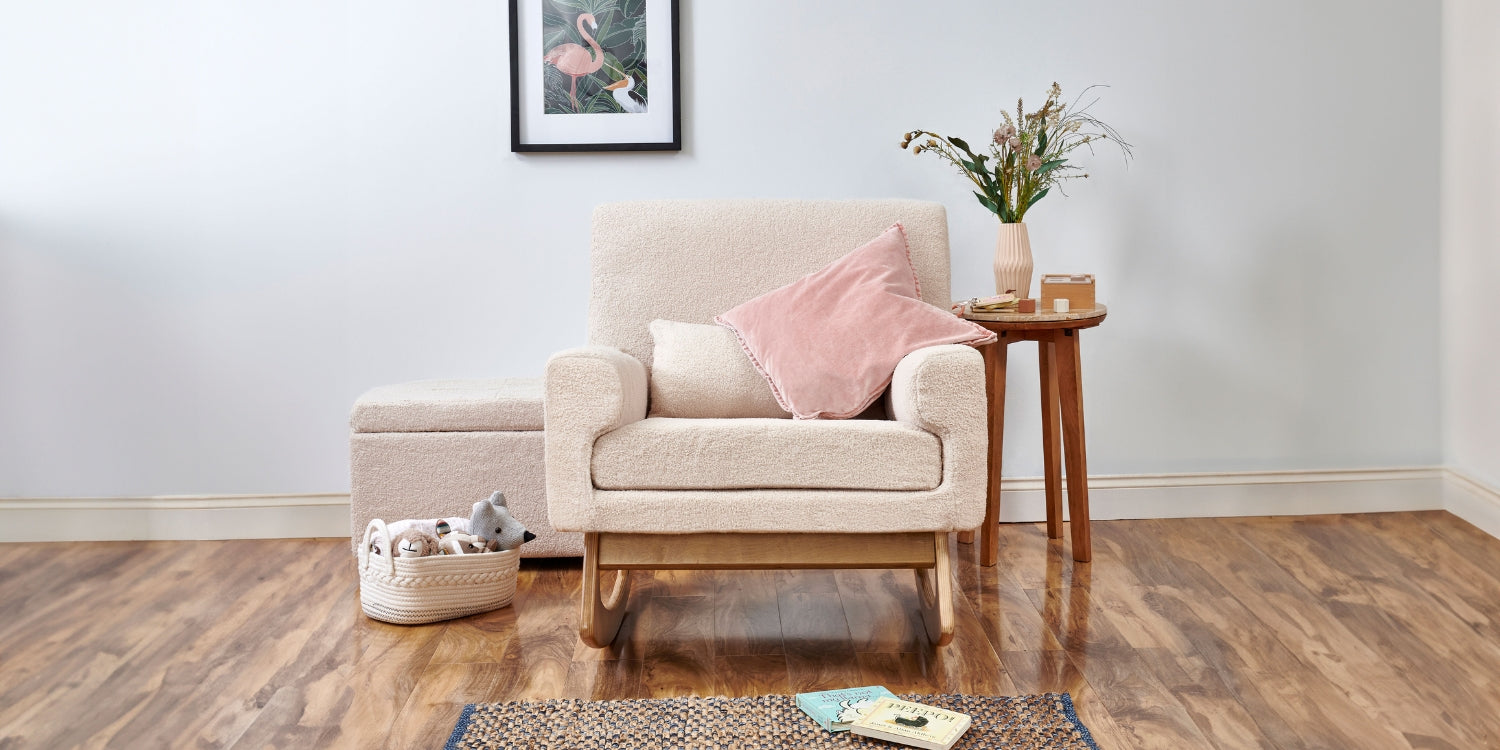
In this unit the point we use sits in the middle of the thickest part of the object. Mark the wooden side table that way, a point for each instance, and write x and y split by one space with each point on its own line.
1057 337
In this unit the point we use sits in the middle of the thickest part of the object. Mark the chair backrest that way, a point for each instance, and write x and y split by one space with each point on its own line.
691 260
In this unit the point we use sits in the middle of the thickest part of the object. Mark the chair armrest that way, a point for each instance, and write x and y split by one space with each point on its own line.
590 390
941 389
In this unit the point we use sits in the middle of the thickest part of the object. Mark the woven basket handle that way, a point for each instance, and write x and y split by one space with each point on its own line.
385 537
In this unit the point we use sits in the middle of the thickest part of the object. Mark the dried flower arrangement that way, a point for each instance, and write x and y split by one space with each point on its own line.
1028 154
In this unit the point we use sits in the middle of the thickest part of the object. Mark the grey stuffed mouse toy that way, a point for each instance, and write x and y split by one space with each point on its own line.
492 520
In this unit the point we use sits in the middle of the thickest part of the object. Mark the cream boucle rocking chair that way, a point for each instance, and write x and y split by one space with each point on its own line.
688 261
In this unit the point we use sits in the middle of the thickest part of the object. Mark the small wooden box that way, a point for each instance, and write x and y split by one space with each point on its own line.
1076 288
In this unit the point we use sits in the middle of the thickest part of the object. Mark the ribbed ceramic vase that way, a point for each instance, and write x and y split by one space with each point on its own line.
1013 260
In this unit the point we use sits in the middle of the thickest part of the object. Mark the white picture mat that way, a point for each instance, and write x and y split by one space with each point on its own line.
652 126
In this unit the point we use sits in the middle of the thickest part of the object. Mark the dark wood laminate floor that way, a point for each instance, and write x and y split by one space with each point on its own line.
1356 631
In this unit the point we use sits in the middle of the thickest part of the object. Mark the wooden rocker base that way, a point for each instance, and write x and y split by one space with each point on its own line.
935 591
599 619
924 552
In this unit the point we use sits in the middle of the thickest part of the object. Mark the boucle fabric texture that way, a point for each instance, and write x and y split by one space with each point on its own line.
691 260
829 341
450 406
592 391
1029 722
700 371
729 454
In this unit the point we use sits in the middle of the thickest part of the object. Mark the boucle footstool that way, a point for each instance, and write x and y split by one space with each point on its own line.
433 448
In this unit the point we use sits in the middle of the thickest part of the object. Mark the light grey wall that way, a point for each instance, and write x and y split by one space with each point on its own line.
1471 237
221 221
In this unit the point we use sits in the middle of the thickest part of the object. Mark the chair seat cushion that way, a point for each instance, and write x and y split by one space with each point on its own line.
661 453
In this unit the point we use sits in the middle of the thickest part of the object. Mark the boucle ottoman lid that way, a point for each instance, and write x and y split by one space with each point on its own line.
496 404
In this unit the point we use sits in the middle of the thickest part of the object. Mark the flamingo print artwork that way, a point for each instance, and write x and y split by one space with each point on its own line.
575 60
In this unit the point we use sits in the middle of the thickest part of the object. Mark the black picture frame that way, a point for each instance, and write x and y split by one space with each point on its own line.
527 67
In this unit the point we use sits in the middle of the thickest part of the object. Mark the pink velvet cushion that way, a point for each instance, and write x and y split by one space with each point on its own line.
829 342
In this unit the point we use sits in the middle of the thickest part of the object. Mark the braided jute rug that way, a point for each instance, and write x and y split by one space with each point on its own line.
1028 722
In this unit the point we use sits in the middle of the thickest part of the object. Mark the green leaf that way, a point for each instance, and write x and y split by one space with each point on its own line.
1041 141
1048 166
616 36
987 203
1040 194
959 142
602 102
555 36
552 14
1002 209
555 91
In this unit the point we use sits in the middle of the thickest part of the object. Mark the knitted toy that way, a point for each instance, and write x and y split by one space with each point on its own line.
492 520
415 543
480 544
430 525
459 543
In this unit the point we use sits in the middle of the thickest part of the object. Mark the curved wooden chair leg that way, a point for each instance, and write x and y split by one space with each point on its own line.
935 590
599 617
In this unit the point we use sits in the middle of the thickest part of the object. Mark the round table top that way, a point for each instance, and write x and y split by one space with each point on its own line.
1077 318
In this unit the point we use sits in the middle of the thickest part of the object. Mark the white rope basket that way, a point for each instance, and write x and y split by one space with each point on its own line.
416 590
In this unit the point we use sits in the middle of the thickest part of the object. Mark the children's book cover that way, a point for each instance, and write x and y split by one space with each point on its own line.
912 724
835 710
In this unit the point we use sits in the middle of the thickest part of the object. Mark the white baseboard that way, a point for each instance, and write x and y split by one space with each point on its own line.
174 517
1265 493
1110 497
1473 501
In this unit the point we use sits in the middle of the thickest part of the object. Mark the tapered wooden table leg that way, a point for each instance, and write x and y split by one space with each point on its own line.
1051 438
1070 399
994 371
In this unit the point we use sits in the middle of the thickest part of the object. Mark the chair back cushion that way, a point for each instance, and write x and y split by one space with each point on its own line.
701 371
691 260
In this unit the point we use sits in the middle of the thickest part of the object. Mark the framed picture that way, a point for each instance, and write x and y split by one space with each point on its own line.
594 75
